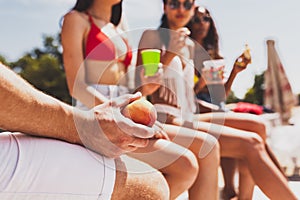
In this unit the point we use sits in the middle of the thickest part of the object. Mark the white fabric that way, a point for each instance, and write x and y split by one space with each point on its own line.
165 108
109 91
40 168
278 93
181 81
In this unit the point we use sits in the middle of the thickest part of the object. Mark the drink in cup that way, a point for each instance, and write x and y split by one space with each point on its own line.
244 59
213 71
151 61
213 74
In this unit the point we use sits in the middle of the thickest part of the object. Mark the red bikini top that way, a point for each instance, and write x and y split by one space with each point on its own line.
100 47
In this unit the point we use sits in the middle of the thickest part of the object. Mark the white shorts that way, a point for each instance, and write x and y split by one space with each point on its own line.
109 91
40 168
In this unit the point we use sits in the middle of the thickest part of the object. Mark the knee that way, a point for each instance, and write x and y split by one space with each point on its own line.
254 144
188 164
259 127
148 184
210 149
262 131
157 189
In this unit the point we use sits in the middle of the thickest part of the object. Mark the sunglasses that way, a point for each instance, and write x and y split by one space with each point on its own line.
198 20
176 4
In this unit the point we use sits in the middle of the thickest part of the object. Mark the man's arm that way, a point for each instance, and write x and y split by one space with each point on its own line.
102 129
26 109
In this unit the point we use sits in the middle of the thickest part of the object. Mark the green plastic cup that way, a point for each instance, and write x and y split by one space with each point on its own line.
151 61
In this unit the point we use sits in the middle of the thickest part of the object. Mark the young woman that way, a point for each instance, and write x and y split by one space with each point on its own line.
96 58
173 101
204 33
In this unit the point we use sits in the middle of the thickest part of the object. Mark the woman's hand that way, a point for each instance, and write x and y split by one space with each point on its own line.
150 83
178 40
241 63
201 83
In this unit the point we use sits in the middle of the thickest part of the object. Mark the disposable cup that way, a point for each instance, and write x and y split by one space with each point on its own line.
151 61
213 71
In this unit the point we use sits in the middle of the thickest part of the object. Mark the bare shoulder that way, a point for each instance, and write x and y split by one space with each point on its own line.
76 17
150 39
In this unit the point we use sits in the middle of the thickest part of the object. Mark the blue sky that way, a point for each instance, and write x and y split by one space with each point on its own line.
23 22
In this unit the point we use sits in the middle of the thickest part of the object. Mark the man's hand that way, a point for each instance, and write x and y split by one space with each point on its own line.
108 132
160 133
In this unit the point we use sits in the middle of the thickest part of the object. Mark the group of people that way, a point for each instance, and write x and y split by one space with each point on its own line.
181 152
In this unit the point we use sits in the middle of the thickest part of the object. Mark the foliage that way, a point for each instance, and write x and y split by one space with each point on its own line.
231 98
3 60
42 67
256 93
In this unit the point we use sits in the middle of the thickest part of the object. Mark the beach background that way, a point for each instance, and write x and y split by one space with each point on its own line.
24 22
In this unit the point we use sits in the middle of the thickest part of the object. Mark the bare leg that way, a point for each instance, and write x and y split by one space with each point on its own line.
150 185
206 149
178 164
273 158
250 147
242 121
251 123
246 183
228 169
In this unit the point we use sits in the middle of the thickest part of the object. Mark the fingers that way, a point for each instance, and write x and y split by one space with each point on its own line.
135 96
97 94
125 148
160 133
177 44
131 148
118 151
184 30
125 99
131 128
155 79
142 72
139 142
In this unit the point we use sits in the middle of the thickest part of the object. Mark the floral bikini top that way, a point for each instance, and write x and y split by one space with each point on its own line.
100 47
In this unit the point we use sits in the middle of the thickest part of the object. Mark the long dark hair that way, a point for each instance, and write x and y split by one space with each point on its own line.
83 5
211 41
116 13
164 28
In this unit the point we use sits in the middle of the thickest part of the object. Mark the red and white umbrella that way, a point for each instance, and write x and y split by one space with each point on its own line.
278 94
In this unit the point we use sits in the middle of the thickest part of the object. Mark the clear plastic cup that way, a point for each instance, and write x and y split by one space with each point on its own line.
213 74
213 71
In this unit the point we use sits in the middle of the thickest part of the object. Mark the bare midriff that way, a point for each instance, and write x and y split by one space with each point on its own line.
104 72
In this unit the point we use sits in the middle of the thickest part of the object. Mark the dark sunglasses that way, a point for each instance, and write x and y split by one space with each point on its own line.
176 4
198 20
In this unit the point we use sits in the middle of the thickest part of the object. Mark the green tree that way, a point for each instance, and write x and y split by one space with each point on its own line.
45 74
231 98
256 93
42 67
3 60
